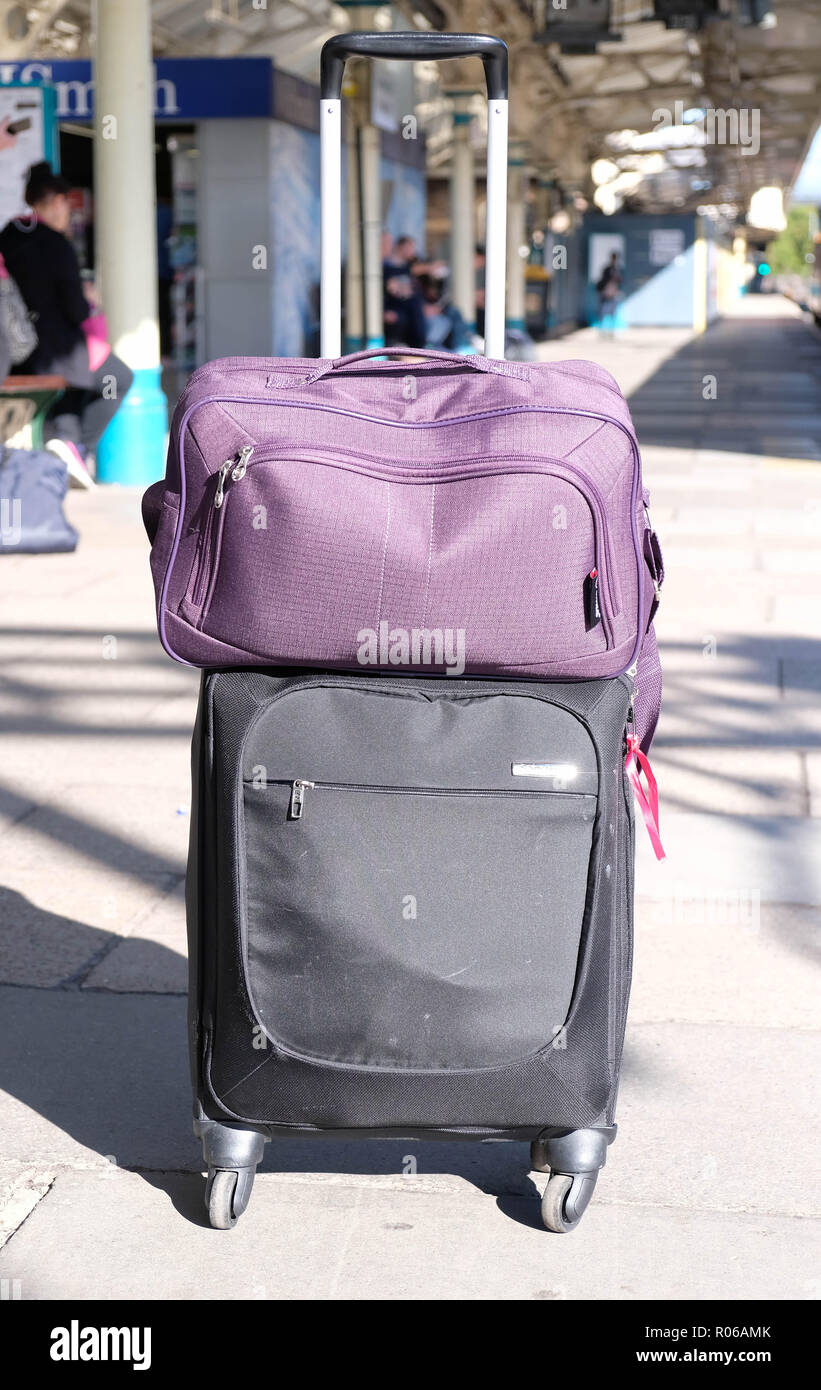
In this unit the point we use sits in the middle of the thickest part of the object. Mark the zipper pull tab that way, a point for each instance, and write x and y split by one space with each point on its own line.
221 476
298 789
242 465
592 610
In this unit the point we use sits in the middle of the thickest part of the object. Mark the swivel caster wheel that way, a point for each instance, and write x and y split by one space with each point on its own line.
573 1159
231 1153
565 1199
227 1193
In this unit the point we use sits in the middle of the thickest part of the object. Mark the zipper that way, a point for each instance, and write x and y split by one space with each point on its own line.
298 790
583 484
300 785
239 464
634 690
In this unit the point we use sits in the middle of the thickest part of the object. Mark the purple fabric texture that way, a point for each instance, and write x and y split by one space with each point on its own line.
500 501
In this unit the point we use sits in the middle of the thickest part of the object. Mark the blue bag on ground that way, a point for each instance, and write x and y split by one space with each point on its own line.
33 484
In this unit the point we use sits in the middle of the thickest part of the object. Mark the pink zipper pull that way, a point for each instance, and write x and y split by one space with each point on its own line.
635 763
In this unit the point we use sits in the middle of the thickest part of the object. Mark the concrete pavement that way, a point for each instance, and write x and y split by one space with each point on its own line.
711 1189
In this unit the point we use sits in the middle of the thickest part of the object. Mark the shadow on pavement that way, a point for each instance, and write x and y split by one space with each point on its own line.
747 386
110 1070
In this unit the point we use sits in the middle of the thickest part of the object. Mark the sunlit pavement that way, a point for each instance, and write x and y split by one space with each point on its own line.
709 1190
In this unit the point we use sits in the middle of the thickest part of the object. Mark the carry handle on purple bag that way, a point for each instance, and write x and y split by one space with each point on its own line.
409 47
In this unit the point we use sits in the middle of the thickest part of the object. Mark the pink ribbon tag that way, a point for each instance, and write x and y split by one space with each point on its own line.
635 763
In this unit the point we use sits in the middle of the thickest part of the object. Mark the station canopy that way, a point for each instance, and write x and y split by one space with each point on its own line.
652 105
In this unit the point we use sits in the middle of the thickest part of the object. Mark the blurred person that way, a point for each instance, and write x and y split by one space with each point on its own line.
43 262
608 289
403 306
165 274
444 323
407 251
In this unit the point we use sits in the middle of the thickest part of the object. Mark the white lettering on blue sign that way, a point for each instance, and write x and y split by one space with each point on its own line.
190 88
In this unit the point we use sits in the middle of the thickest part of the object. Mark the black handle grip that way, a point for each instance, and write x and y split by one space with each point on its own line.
413 46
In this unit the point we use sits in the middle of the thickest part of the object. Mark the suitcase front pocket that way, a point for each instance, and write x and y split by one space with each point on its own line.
512 557
413 927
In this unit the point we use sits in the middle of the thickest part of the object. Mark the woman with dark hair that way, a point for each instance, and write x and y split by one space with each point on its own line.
41 259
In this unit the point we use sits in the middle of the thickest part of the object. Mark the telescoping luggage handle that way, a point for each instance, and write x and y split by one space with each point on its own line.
411 47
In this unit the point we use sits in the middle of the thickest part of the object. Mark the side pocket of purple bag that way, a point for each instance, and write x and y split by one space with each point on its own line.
160 512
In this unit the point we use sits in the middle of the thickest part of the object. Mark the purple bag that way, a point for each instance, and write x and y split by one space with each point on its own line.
465 515
456 514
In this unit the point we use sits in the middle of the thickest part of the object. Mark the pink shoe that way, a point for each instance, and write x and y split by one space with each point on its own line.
74 461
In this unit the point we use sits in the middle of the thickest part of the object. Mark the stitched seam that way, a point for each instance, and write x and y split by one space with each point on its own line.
430 555
384 558
586 440
247 1077
222 407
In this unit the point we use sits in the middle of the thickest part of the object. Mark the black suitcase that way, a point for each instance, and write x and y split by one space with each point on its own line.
410 915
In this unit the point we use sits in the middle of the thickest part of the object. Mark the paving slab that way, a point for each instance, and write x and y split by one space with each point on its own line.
798 613
747 781
321 1243
85 1074
778 857
135 964
704 1111
57 923
22 1186
725 958
59 754
43 948
813 765
115 826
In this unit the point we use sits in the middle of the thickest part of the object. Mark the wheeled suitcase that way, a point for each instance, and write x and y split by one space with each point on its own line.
409 902
409 892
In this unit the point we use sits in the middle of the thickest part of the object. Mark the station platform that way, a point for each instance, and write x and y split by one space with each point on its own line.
100 1185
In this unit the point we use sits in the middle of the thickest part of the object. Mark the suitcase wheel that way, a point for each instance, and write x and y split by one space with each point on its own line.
231 1152
227 1193
565 1199
573 1159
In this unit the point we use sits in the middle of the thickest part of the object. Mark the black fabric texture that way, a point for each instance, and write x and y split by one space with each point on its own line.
533 1035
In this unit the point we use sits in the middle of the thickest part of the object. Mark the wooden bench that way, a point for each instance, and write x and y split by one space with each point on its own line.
24 404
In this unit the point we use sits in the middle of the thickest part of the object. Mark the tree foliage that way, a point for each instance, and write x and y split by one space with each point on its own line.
787 254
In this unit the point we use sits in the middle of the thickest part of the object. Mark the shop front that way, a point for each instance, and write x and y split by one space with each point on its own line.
237 153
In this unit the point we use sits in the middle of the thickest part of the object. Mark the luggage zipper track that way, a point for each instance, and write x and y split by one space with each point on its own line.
498 412
300 785
487 465
214 521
